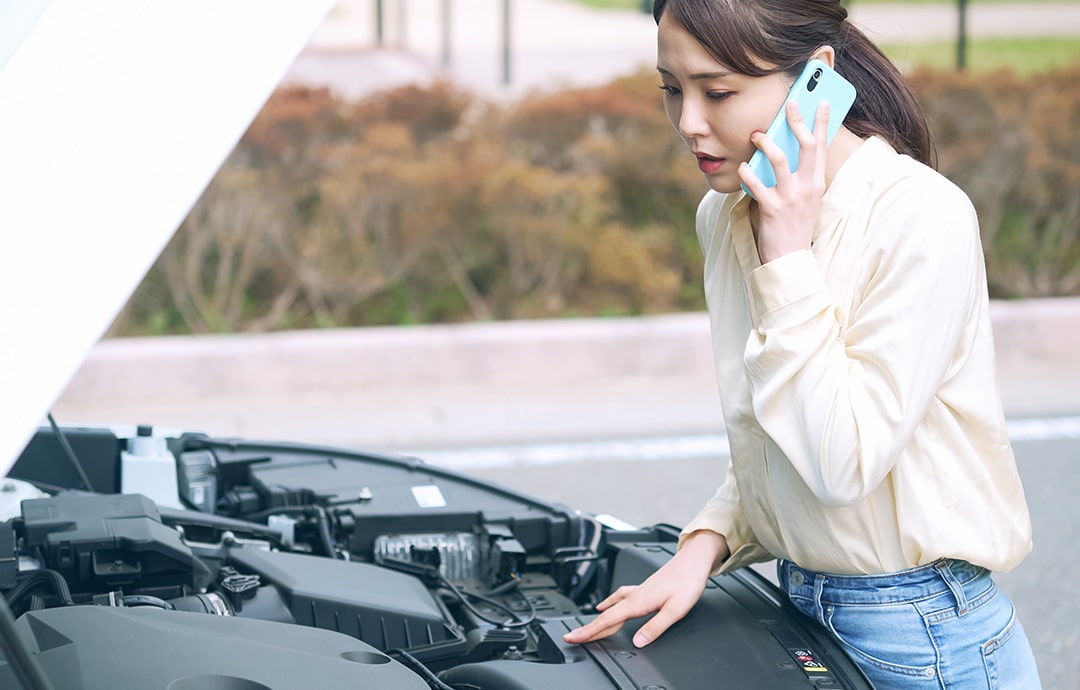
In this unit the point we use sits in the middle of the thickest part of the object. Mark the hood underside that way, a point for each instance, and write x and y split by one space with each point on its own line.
114 116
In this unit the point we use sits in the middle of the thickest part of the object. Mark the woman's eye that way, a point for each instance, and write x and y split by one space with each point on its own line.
669 90
719 95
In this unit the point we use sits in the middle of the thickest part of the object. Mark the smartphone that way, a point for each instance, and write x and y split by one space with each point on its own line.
818 82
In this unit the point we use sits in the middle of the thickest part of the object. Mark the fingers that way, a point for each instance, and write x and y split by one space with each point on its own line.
752 181
788 210
774 153
821 139
658 624
610 621
670 592
625 603
597 629
616 596
812 144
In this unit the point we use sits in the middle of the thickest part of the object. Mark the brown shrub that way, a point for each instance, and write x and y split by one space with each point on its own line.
420 204
1014 146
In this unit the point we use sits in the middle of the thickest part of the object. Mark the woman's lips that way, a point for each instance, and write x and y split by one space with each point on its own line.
708 164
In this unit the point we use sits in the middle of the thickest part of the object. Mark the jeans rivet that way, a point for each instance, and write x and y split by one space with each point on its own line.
796 579
929 673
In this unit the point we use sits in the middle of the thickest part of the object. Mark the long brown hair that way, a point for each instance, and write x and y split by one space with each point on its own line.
742 34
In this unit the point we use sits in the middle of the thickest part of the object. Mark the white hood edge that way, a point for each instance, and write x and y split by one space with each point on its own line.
114 116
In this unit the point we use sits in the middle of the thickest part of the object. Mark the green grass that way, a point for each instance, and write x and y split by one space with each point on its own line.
1023 55
951 2
637 5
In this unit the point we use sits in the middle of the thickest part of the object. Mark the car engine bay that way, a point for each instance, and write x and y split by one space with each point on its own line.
297 566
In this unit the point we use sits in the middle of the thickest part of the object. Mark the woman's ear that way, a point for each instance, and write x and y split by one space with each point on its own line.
826 54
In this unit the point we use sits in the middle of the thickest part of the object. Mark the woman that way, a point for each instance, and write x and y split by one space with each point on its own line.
854 358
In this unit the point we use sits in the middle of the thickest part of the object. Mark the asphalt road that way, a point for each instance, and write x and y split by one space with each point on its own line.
646 488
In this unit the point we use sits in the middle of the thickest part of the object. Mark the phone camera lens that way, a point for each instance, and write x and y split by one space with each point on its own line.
817 74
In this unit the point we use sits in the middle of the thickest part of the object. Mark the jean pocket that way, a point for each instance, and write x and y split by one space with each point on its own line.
890 638
1007 657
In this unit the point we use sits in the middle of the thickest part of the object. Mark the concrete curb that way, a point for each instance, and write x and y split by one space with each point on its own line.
512 352
453 386
517 353
1037 329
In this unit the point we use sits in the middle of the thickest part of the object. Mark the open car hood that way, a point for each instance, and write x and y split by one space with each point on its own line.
114 116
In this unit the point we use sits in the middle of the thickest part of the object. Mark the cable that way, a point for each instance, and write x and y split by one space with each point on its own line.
70 453
414 664
463 595
39 577
431 576
323 523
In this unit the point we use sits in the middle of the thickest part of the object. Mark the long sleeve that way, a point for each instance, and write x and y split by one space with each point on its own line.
858 384
842 405
723 514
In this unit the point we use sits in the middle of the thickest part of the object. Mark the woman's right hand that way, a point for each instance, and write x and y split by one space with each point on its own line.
789 211
671 592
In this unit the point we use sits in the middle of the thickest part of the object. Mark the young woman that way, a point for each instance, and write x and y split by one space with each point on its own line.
854 357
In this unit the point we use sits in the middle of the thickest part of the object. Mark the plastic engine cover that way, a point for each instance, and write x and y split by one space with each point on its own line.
101 647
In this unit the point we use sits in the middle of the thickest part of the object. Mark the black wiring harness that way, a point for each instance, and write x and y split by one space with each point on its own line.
27 587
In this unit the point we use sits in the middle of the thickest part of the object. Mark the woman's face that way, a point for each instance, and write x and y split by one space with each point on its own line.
713 108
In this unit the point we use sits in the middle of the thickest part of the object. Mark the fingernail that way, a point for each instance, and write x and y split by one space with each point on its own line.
640 640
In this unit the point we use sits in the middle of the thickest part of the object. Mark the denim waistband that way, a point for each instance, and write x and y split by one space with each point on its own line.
925 581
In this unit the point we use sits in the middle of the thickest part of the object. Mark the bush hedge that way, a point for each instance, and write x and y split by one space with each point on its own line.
429 205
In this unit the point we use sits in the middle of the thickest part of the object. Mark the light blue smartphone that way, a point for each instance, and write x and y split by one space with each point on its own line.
818 82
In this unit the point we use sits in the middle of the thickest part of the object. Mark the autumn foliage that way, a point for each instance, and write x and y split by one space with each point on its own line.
429 205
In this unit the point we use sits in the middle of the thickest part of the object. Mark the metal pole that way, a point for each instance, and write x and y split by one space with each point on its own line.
506 42
446 33
961 36
379 23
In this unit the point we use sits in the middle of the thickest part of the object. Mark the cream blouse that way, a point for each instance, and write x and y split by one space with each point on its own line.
857 381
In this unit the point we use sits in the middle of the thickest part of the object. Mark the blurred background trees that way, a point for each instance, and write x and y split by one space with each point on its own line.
423 205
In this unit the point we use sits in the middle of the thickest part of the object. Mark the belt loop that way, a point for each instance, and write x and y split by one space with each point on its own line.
819 588
954 586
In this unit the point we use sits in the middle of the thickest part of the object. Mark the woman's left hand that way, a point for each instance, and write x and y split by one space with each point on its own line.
789 211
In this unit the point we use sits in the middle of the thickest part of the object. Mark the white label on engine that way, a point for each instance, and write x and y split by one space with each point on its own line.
428 496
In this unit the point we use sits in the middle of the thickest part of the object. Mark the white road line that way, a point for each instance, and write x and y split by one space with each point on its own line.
626 450
668 448
1044 429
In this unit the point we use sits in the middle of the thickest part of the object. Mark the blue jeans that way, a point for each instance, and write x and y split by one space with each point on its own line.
943 626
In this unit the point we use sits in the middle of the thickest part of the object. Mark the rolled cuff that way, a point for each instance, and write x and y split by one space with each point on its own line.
791 279
742 543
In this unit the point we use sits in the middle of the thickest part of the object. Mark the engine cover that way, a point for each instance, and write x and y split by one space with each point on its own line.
103 647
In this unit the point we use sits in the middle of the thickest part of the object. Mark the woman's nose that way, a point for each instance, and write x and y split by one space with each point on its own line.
692 122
